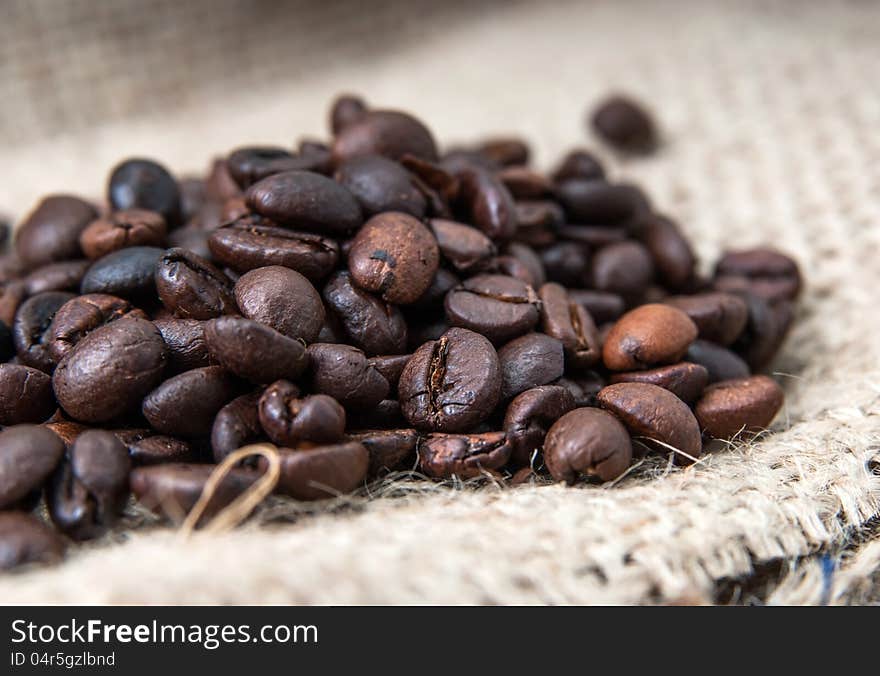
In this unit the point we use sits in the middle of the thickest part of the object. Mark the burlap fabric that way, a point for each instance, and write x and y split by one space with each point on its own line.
771 125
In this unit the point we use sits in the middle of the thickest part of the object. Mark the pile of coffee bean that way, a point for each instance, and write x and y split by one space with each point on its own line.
368 305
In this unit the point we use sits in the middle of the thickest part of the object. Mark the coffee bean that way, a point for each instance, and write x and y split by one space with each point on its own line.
283 299
625 125
254 163
583 388
193 197
720 317
146 448
656 417
388 449
51 231
529 416
465 248
719 362
192 238
100 462
587 441
742 405
253 350
567 263
384 132
185 405
323 472
237 424
650 335
110 370
524 183
601 305
144 184
185 339
191 287
527 256
460 159
484 201
765 330
219 184
597 202
505 151
25 395
432 300
509 266
12 295
528 361
83 314
370 324
540 216
685 380
346 110
451 384
289 420
571 324
380 184
343 372
127 273
496 306
579 164
462 455
61 276
674 260
766 273
624 268
66 430
24 539
28 455
390 366
31 331
132 227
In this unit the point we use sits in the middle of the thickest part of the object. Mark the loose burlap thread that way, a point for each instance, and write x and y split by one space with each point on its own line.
770 137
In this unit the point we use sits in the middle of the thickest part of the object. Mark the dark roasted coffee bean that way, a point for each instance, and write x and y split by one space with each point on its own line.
390 366
674 260
587 441
496 306
512 267
462 455
625 125
567 263
719 362
110 370
289 420
465 248
656 417
524 183
460 159
593 236
530 260
80 315
528 361
24 539
346 110
66 430
536 215
31 331
191 287
253 163
384 132
253 350
650 335
505 151
380 184
395 256
146 448
128 273
685 380
144 184
743 405
323 472
530 415
51 231
28 455
484 201
451 384
185 405
69 505
343 372
61 276
11 267
603 306
624 268
579 164
571 324
12 295
132 227
193 197
219 184
596 202
283 299
720 317
766 273
100 462
388 449
25 395
237 424
185 339
370 323
583 388
765 330
192 238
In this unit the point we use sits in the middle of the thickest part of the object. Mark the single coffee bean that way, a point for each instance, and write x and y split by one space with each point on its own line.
601 305
31 331
569 323
127 273
530 415
496 306
742 405
61 276
587 441
370 323
219 184
283 299
460 159
505 151
583 388
146 448
253 350
685 380
766 273
254 163
465 248
253 242
185 339
25 395
100 462
593 236
484 201
191 287
579 164
390 366
185 405
542 216
237 424
451 384
719 362
528 361
625 125
524 183
720 317
380 184
624 268
80 315
110 370
144 184
435 181
655 416
51 231
306 200
389 450
509 266
567 263
343 372
346 110
28 455
529 258
765 330
674 260
323 472
395 256
650 335
12 294
131 227
193 197
289 420
24 539
596 202
462 455
384 132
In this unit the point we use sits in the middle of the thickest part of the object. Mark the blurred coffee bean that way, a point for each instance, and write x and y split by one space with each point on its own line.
719 362
389 450
28 455
674 260
465 248
25 395
720 317
145 184
237 424
484 201
384 132
61 276
625 125
121 229
380 184
567 263
346 109
24 540
764 272
579 164
624 268
51 231
323 472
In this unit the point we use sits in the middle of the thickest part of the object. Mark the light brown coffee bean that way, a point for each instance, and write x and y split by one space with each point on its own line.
651 334
742 405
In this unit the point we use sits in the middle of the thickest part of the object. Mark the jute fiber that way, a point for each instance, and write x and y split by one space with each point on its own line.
770 118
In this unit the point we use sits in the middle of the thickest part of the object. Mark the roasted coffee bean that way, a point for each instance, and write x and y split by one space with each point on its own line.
144 184
743 405
528 361
624 268
129 273
121 229
185 405
344 373
237 424
388 449
460 159
51 231
465 248
219 185
323 472
602 305
253 350
597 202
650 335
765 330
766 273
567 263
571 324
12 294
625 125
191 287
69 505
66 430
524 183
509 266
505 151
384 132
390 366
530 415
380 184
579 164
462 455
592 236
587 441
289 420
25 395
306 200
395 256
100 462
193 197
370 324
61 276
253 163
719 362
283 299
346 110
583 388
674 260
451 384
484 201
110 370
655 416
185 339
146 448
720 317
80 315
28 455
542 216
530 259
192 238
31 331
685 380
24 539
496 306
253 242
